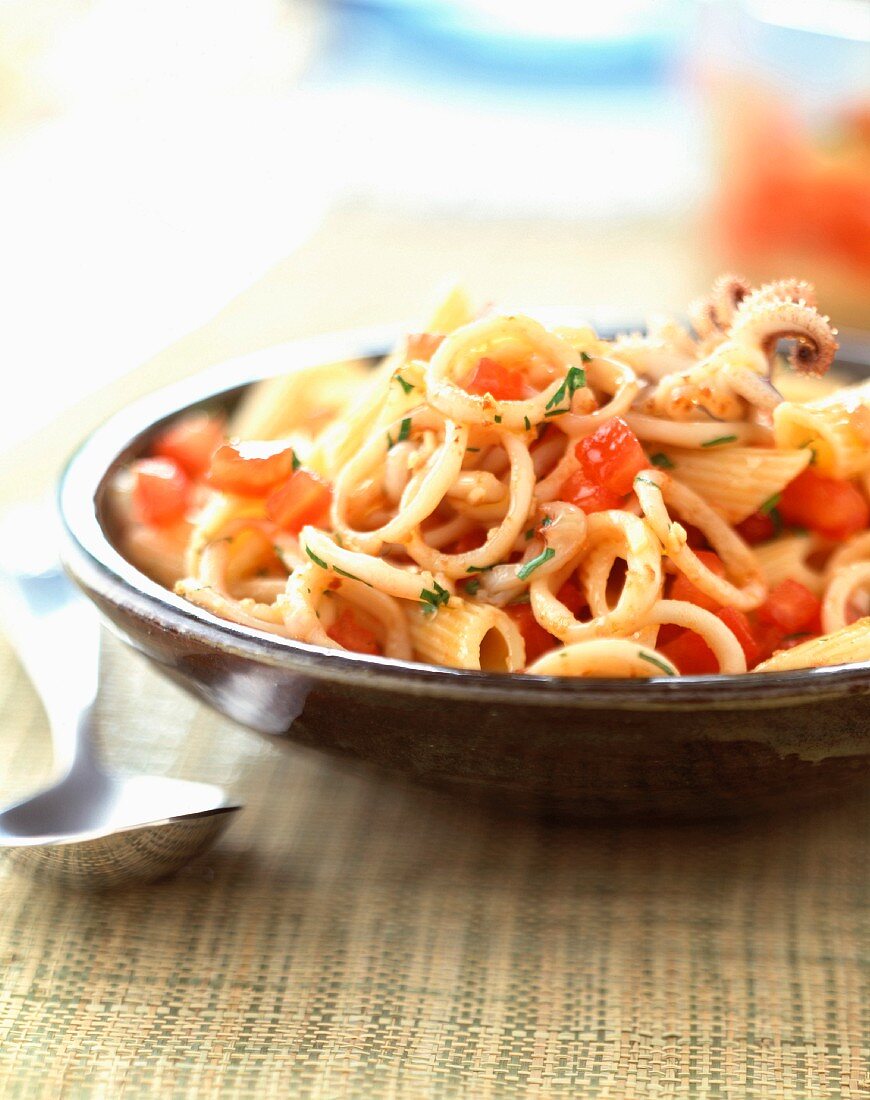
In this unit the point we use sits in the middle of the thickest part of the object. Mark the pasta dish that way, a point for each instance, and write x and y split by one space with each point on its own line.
501 495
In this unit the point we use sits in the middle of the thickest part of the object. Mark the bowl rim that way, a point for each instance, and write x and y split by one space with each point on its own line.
100 569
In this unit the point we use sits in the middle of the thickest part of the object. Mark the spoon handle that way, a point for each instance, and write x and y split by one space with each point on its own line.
57 637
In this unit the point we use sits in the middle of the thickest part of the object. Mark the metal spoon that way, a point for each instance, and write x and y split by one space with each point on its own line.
89 828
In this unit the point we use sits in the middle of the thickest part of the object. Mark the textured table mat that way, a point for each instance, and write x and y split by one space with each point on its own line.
355 938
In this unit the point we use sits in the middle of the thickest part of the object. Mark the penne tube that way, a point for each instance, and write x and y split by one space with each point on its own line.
467 635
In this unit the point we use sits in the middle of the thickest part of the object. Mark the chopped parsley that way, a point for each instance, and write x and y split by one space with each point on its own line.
546 521
433 598
406 386
575 380
472 586
584 358
526 570
719 440
556 412
473 450
530 534
661 460
315 559
479 568
645 481
770 504
650 660
296 462
497 419
404 432
350 576
527 423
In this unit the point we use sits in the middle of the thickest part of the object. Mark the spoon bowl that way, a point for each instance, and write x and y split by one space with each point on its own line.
88 828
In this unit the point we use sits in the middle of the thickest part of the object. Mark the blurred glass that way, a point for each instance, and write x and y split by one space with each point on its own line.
788 87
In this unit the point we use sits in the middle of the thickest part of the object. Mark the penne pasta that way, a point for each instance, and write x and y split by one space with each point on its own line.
467 635
736 481
835 428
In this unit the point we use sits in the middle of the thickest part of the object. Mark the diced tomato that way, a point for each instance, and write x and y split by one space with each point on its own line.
537 639
791 607
759 527
741 628
588 495
691 654
492 378
351 634
471 540
250 468
190 442
305 498
571 596
683 589
612 456
422 345
161 491
834 508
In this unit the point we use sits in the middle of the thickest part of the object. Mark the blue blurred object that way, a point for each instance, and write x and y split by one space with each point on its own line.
510 107
627 42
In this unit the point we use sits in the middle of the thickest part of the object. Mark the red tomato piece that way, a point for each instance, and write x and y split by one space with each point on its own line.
741 628
612 456
571 596
588 495
349 632
305 498
691 654
758 527
683 589
492 378
791 607
834 508
250 468
422 345
190 442
161 491
538 640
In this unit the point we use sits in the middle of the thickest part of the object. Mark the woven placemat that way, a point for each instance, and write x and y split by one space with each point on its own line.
355 938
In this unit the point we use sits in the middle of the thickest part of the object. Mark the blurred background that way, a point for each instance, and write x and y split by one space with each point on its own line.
183 182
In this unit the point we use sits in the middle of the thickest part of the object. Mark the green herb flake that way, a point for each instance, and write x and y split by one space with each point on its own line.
406 386
584 358
315 559
527 423
546 521
661 460
472 586
404 430
296 462
497 419
526 570
344 573
575 380
432 599
646 481
650 660
770 504
556 412
479 568
530 534
524 598
473 450
719 440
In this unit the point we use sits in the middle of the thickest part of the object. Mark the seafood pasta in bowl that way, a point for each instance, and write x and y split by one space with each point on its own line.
573 570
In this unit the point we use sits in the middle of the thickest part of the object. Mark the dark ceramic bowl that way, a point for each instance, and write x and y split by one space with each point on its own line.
661 748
